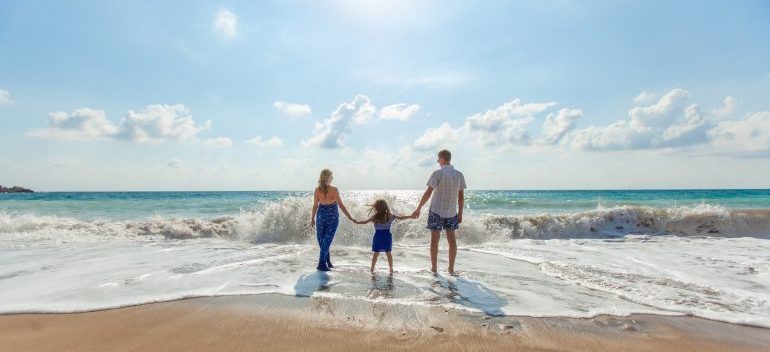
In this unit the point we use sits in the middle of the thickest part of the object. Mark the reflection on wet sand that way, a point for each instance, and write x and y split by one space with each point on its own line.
382 286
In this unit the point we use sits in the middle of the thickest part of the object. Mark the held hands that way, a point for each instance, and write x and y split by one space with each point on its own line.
416 213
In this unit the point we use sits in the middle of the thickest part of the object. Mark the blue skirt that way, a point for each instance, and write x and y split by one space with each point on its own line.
382 241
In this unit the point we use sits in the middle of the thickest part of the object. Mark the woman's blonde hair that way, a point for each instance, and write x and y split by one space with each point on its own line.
381 211
324 180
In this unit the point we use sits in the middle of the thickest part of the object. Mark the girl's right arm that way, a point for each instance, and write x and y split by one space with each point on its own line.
315 208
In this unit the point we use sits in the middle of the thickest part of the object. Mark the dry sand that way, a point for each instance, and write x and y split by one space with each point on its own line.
279 323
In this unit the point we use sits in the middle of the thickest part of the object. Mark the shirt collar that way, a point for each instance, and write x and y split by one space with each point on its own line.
447 165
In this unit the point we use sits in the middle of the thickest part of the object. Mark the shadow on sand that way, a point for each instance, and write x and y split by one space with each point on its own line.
472 294
307 284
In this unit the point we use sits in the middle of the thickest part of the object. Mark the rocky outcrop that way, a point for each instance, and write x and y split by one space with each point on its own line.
15 189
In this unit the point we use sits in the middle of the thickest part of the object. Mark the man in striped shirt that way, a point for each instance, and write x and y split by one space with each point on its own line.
446 185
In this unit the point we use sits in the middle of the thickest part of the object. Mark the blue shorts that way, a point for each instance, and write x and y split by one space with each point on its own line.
437 223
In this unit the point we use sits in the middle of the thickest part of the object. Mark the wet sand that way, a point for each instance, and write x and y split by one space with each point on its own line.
281 323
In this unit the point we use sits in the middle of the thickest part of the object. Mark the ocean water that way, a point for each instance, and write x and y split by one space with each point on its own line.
535 253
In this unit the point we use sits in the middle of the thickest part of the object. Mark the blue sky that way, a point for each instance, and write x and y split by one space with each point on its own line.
142 95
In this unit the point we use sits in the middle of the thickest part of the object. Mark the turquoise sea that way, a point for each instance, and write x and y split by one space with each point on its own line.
139 205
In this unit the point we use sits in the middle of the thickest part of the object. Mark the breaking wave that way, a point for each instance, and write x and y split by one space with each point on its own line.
287 221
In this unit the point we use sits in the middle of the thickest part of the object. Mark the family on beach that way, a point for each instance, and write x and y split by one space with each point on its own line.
445 191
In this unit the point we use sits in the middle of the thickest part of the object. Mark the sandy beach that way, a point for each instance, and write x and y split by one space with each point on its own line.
275 323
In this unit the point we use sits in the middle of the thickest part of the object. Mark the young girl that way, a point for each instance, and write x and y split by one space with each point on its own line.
383 239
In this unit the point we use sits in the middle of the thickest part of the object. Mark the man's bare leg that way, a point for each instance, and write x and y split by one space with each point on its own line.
450 238
434 237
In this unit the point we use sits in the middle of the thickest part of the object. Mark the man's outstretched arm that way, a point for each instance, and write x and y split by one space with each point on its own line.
425 197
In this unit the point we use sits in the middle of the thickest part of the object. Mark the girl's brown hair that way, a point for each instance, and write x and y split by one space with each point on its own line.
381 211
324 180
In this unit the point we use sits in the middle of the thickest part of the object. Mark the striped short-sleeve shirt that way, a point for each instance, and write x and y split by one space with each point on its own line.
446 183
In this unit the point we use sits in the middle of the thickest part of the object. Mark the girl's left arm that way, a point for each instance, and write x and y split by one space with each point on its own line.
342 206
402 217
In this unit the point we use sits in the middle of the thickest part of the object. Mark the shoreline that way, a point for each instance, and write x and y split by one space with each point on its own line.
278 322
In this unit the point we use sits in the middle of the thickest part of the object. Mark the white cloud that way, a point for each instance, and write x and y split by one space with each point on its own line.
83 123
500 125
673 122
290 109
220 142
226 23
728 107
557 125
692 130
5 97
333 131
273 141
669 122
401 112
618 135
645 98
436 138
751 135
662 113
160 122
505 125
156 123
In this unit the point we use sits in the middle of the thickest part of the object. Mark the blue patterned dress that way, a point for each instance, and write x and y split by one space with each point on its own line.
327 219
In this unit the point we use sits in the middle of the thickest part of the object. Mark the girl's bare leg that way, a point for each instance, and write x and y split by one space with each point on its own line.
390 261
374 260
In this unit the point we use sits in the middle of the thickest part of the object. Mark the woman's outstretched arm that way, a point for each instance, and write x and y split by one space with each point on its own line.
362 222
342 206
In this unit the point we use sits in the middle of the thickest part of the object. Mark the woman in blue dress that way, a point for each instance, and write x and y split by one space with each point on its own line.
325 216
